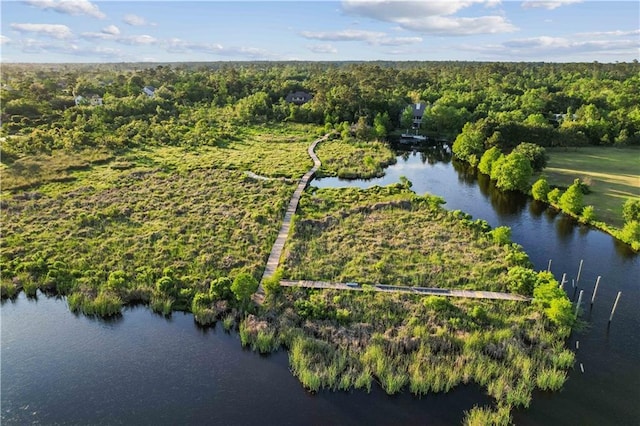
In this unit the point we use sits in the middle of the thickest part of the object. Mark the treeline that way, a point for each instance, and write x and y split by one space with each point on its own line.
509 103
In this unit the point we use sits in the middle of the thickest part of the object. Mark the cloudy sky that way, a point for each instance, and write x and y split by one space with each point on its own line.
176 31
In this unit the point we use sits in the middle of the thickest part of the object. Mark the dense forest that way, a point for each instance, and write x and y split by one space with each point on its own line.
200 104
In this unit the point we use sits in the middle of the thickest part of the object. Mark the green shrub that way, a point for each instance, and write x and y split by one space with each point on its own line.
521 280
7 289
588 214
571 200
554 196
631 210
501 235
540 190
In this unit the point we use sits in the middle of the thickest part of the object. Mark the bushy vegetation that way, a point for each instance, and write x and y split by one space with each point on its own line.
409 240
339 340
354 159
163 230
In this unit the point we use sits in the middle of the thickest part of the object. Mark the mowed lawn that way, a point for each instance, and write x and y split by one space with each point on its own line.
613 175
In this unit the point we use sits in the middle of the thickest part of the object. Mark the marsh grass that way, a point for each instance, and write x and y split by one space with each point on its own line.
161 304
391 236
228 322
354 159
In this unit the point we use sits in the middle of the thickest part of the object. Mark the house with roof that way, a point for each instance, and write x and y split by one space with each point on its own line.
418 111
149 91
298 97
93 100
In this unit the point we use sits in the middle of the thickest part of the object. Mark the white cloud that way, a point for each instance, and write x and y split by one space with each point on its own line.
4 39
69 7
137 39
111 29
176 45
544 47
322 48
617 33
550 5
370 37
42 48
431 17
134 20
111 35
51 30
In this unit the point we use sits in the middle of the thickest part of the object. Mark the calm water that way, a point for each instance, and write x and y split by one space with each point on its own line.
144 369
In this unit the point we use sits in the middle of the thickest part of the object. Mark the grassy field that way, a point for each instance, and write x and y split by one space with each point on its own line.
353 159
613 175
190 215
387 236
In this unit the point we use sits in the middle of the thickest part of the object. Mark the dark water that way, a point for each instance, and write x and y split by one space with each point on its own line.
58 368
144 369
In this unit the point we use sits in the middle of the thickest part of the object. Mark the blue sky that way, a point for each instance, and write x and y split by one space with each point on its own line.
176 31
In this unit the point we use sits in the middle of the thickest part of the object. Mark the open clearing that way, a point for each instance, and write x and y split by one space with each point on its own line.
613 175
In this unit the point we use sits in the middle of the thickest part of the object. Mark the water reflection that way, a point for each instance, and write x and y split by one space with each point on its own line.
536 208
564 227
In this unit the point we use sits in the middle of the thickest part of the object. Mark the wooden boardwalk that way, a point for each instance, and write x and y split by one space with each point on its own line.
427 291
278 246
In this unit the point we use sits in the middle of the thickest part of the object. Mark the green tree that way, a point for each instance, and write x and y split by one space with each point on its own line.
381 123
469 144
540 190
535 153
406 119
554 196
487 160
588 214
571 200
514 173
631 210
243 287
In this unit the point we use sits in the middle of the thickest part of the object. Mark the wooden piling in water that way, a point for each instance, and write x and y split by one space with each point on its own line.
549 266
564 280
595 290
615 305
579 301
579 271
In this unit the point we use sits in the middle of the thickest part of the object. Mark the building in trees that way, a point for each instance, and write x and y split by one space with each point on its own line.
418 113
298 97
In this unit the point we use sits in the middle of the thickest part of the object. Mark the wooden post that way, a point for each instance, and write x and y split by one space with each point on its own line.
579 271
549 266
595 290
615 305
564 280
579 301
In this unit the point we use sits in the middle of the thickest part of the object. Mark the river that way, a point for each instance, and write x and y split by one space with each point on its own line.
141 368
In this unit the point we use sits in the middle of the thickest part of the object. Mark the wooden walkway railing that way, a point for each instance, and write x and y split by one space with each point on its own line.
427 291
